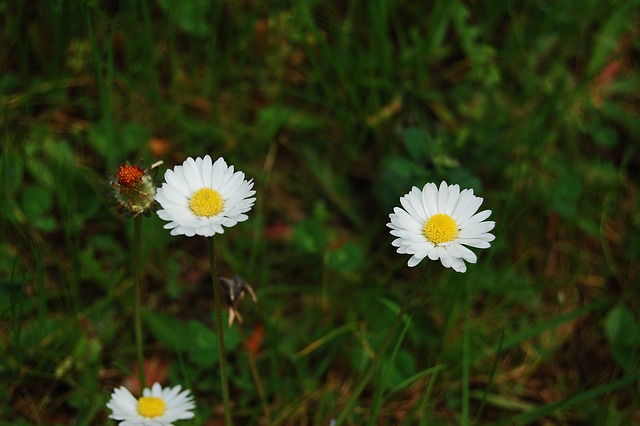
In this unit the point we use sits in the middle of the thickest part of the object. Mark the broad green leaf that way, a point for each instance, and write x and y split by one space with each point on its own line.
623 332
171 332
349 256
133 137
204 348
416 143
192 16
36 201
61 154
309 236
605 137
566 194
204 342
45 223
402 368
621 327
403 167
99 140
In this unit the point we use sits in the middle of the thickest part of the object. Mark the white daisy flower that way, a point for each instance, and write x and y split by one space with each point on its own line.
199 198
156 407
438 223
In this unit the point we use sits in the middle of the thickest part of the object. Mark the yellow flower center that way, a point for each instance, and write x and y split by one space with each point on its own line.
206 202
440 228
150 406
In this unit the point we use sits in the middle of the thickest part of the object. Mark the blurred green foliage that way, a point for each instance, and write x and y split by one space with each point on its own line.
335 109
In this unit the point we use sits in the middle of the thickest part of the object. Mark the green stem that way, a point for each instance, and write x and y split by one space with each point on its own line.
466 359
217 295
137 243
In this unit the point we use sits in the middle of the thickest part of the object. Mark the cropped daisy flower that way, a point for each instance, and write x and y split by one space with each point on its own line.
133 189
439 223
200 197
156 407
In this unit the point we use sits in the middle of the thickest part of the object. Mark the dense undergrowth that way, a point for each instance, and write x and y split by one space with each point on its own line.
335 109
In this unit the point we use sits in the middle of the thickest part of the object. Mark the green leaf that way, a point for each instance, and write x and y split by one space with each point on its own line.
614 24
60 154
621 327
46 224
130 138
623 333
205 344
99 140
402 368
192 337
415 141
171 332
133 137
606 137
349 256
401 167
36 201
566 194
192 16
309 236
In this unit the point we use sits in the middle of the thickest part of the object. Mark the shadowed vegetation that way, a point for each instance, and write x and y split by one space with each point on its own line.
335 109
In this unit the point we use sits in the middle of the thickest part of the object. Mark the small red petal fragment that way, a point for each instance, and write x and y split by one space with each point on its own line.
155 370
256 338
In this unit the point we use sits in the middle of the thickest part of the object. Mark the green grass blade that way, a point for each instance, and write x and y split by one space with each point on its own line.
579 398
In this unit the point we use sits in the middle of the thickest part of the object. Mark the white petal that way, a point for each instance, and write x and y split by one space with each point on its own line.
176 181
413 261
170 195
461 252
465 197
406 221
192 174
452 200
412 202
433 254
207 170
430 198
474 242
444 256
418 204
474 230
458 265
465 212
478 217
443 196
218 173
